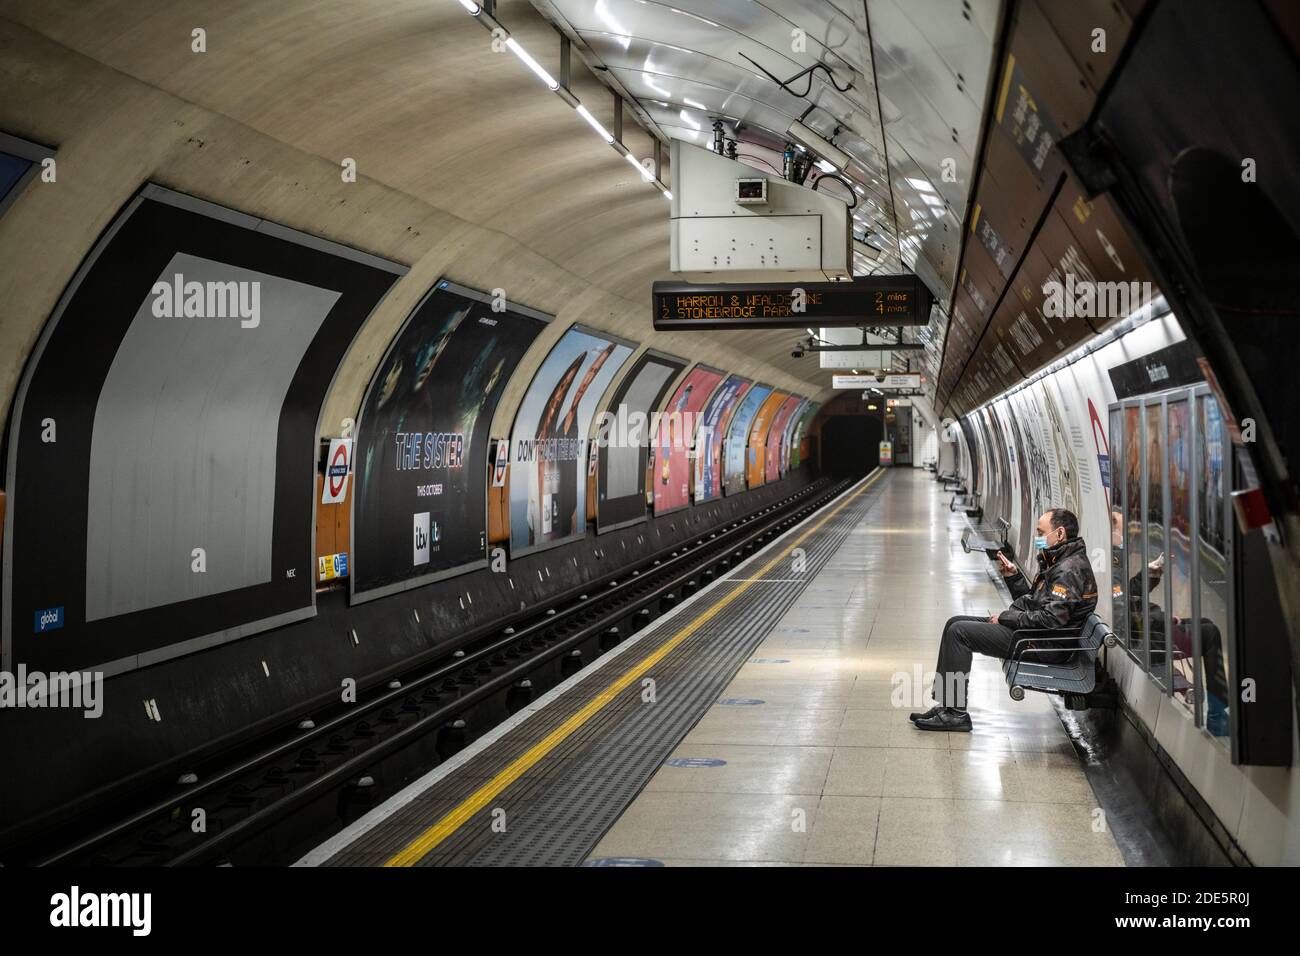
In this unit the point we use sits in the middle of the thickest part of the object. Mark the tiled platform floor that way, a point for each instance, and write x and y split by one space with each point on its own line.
827 769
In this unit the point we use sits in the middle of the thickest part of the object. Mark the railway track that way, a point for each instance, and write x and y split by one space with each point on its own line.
270 801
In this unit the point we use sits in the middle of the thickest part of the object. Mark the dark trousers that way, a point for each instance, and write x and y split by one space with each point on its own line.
963 637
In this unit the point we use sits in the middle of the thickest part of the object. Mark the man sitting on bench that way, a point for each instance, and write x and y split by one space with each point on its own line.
1063 594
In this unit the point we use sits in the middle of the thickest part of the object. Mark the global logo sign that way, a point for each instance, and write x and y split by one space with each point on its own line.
50 619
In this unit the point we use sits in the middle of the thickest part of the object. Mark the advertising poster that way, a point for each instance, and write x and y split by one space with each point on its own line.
756 455
711 436
677 430
548 444
422 440
787 437
801 431
777 435
733 455
185 367
623 437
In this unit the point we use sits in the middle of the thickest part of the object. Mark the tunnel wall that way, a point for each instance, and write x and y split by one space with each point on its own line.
211 699
1047 444
491 188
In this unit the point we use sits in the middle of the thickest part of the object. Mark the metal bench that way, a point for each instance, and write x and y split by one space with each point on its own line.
1075 679
953 483
990 539
969 504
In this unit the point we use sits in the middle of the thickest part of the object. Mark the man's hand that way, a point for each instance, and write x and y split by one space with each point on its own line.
993 619
1005 566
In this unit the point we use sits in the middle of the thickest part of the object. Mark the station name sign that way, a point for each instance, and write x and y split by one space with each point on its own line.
867 300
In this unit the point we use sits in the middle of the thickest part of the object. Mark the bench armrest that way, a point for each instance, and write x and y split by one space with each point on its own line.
1021 645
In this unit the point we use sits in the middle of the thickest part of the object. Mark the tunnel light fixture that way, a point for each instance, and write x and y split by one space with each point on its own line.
489 22
826 167
638 167
532 64
828 151
603 133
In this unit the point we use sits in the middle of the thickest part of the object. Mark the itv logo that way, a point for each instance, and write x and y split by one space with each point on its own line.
421 538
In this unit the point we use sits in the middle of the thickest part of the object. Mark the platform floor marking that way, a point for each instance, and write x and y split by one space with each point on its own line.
421 846
345 838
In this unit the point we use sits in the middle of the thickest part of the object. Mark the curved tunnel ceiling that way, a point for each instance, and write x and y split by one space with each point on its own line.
466 165
902 94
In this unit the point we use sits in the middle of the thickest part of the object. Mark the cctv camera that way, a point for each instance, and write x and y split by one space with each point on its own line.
797 353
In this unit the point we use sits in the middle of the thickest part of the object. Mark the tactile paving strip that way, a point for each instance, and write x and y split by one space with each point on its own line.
558 810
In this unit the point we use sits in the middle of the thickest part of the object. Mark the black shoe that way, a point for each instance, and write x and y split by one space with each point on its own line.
918 715
948 720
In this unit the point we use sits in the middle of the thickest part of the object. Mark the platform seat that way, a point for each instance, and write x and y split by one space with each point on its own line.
970 504
954 484
1075 679
988 538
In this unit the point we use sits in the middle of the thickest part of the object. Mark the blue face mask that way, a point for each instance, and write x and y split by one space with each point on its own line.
1040 543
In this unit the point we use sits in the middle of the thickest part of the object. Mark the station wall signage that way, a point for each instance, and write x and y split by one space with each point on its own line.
895 380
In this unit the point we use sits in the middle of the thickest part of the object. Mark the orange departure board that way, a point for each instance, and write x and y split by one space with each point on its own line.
868 300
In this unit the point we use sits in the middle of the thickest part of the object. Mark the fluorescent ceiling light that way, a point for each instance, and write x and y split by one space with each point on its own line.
667 194
826 167
804 136
472 8
595 124
638 167
532 64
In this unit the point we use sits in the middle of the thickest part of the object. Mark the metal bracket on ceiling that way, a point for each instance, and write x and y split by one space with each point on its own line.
896 344
598 69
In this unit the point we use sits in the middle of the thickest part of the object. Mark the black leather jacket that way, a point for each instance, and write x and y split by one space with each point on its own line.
1063 594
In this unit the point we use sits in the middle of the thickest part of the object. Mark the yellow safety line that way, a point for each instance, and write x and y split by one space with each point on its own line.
1006 86
420 847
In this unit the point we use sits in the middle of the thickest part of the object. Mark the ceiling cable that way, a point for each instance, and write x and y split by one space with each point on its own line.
785 84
